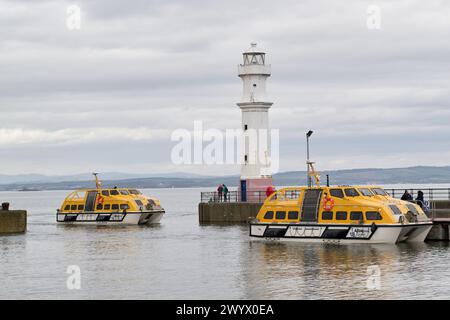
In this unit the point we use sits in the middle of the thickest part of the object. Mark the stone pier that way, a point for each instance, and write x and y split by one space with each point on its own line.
13 221
440 231
228 212
441 220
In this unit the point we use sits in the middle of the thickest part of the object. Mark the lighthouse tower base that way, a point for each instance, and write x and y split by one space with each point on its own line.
254 189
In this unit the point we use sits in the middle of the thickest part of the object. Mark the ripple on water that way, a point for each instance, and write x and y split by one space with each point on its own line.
181 259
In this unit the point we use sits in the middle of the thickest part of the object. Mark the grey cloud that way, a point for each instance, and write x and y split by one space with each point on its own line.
161 65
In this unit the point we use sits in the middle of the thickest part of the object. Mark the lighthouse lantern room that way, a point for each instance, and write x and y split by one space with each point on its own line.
255 170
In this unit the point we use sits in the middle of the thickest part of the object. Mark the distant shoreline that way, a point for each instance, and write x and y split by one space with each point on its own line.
213 188
396 176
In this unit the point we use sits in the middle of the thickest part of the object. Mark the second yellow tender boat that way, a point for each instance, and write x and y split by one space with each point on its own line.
341 214
109 206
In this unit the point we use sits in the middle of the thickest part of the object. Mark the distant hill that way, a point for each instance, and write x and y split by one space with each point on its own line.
412 175
44 179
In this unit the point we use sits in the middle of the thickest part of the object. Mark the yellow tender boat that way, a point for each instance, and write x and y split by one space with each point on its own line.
109 206
342 214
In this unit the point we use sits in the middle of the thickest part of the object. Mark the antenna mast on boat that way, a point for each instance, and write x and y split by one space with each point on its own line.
97 181
310 171
313 173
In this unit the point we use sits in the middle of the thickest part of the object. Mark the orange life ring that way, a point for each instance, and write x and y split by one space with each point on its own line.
328 203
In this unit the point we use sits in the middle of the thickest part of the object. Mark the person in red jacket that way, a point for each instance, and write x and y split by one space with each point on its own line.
219 191
269 191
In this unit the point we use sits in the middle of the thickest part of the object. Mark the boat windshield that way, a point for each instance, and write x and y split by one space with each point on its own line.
379 192
77 195
124 192
351 192
113 192
366 192
134 191
288 194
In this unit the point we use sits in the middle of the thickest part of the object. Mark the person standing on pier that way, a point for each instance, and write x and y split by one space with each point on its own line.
269 191
225 192
219 192
407 196
421 201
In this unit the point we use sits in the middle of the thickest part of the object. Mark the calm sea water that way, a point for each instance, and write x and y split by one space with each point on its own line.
180 259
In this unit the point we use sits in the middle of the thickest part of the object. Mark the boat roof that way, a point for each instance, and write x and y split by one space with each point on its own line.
100 189
338 186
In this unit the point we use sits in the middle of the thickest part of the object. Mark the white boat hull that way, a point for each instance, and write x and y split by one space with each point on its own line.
414 232
112 218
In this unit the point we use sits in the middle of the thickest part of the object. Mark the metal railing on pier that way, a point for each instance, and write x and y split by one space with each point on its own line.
437 200
429 194
234 196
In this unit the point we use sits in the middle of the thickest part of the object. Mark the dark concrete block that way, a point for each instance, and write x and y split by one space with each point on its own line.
439 232
227 212
13 221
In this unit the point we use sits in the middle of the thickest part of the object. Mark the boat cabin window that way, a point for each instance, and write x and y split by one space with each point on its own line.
366 192
412 208
139 203
356 215
105 193
373 215
379 192
124 192
293 215
115 207
268 215
81 207
280 215
113 192
99 206
395 209
337 193
67 207
134 191
351 192
341 215
73 207
107 207
291 194
124 207
327 215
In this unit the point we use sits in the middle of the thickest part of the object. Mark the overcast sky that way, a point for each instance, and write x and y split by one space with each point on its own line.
108 96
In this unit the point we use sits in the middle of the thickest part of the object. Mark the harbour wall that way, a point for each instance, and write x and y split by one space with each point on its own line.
13 221
439 232
441 220
227 212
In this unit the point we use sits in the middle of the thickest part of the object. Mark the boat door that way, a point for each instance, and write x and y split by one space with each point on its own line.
311 204
90 201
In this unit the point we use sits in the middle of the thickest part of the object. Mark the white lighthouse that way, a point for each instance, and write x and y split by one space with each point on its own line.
255 169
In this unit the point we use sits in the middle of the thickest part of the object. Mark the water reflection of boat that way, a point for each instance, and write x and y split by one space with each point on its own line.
364 214
284 270
109 206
